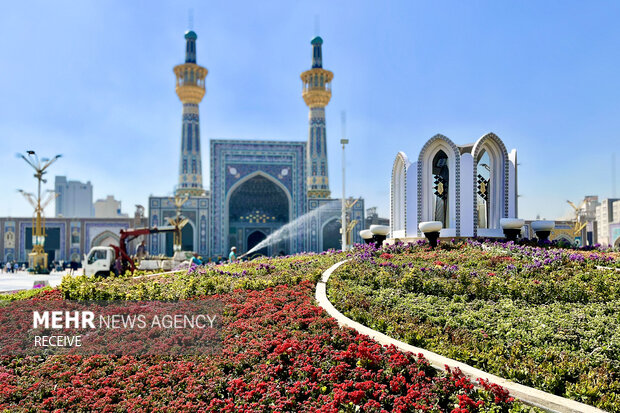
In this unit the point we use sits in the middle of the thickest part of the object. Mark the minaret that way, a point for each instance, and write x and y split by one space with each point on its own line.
317 93
190 89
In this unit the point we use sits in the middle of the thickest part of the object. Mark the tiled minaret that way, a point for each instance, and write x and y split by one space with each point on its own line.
317 93
190 89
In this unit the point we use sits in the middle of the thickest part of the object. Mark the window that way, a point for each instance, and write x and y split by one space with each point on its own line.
97 255
483 189
441 178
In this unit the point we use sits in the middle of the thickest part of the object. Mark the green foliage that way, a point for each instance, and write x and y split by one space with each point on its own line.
545 318
24 295
202 280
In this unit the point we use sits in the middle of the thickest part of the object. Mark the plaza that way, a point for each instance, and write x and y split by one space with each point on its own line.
410 208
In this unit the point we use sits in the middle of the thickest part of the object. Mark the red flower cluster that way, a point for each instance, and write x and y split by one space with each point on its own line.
280 352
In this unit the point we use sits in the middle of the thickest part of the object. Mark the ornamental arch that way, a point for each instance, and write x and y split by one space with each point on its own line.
430 205
491 148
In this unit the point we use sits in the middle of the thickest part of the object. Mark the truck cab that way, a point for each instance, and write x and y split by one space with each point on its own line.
99 261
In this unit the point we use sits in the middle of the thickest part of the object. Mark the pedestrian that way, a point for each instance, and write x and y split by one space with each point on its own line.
232 257
118 266
141 251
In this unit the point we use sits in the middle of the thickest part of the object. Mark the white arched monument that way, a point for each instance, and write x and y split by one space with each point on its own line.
468 188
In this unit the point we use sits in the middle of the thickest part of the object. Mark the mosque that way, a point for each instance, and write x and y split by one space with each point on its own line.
255 187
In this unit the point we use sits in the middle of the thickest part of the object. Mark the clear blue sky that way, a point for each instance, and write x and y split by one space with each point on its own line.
93 80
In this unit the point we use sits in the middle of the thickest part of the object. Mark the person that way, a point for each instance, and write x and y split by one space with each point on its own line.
233 254
141 251
196 260
16 267
118 266
74 267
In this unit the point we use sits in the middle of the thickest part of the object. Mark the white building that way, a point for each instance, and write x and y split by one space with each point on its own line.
108 208
466 187
74 199
607 213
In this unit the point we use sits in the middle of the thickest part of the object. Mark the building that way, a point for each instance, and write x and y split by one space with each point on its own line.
108 208
588 215
468 188
607 216
68 239
255 187
74 199
373 218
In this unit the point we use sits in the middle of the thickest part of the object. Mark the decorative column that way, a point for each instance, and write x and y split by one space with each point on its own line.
190 88
317 93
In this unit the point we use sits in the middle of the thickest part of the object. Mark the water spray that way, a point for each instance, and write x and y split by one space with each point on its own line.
292 227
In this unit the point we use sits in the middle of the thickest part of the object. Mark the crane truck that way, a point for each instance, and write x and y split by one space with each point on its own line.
100 260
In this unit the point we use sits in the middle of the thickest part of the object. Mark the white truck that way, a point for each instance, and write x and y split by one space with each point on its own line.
99 261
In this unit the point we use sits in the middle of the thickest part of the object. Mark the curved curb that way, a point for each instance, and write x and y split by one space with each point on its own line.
527 395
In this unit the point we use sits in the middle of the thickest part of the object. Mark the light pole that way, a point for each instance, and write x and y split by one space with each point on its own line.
37 259
343 221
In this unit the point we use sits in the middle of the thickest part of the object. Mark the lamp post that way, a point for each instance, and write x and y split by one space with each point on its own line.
343 221
178 222
37 258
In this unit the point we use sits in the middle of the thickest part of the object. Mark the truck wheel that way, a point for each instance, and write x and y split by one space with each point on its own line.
103 274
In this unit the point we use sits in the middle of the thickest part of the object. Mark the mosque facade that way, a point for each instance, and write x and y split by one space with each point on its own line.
256 187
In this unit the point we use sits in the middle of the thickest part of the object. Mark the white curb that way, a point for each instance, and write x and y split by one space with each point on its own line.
527 395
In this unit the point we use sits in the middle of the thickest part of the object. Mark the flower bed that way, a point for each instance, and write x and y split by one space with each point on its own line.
280 353
544 317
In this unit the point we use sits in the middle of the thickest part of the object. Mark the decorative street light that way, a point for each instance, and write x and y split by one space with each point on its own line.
37 258
343 228
178 221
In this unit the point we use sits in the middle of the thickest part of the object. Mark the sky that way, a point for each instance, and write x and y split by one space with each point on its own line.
93 81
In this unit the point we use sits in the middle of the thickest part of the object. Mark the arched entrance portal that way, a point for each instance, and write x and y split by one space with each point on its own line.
331 235
256 207
254 239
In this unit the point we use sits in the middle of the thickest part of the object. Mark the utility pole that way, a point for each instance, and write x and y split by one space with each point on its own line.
343 228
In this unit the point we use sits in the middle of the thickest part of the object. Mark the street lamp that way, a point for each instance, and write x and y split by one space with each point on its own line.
37 258
343 228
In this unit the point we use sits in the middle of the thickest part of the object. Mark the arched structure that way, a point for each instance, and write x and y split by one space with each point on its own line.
255 238
426 179
498 186
565 238
444 184
256 202
105 239
398 195
331 238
